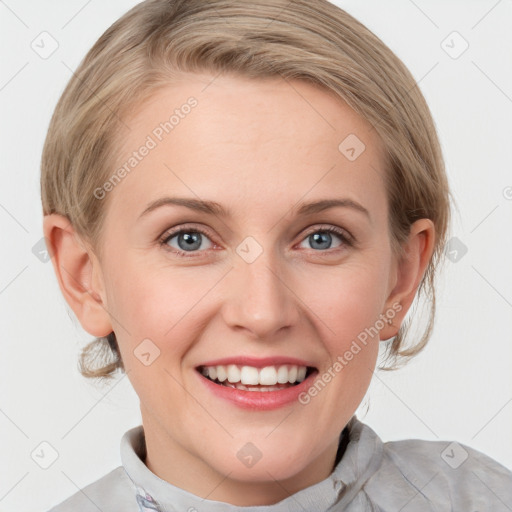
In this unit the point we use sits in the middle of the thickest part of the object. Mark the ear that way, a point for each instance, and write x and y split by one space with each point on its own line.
79 275
408 273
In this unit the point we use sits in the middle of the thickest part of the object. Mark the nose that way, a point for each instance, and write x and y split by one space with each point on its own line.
260 298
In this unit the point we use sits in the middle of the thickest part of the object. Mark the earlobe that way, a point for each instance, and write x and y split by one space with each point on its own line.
78 275
410 270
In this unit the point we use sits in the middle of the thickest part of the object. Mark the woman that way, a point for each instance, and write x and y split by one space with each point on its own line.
242 201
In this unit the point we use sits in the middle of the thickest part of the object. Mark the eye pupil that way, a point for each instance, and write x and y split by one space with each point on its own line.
323 238
192 241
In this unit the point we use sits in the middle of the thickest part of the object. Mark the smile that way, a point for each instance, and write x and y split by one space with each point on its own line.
250 378
257 384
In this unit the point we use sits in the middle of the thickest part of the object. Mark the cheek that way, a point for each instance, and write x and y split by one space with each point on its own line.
347 299
347 302
158 312
162 304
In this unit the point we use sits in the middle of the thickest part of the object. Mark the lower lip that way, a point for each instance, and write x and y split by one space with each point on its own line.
259 400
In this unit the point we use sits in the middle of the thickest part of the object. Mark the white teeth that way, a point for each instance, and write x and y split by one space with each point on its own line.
233 373
249 375
251 388
268 376
282 375
221 374
252 376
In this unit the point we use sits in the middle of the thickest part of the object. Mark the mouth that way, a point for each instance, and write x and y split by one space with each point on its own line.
255 379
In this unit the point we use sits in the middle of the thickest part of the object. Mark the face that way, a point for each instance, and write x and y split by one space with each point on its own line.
260 281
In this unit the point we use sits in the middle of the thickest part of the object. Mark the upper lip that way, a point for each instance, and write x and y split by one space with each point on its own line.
257 362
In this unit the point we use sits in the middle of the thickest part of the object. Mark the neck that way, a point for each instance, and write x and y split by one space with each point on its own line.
166 459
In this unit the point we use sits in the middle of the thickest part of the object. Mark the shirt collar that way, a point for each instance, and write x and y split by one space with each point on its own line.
362 458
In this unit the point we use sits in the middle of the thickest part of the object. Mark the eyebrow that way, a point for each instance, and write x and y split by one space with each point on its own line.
214 208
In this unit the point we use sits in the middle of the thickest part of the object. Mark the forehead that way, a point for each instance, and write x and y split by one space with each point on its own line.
248 143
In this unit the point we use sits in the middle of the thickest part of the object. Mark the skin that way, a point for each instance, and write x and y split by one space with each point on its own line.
259 148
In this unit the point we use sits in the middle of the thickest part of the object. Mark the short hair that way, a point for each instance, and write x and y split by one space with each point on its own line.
310 40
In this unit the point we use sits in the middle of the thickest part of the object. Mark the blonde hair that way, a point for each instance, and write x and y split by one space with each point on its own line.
311 40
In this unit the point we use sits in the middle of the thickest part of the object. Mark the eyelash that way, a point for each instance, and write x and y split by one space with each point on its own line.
346 238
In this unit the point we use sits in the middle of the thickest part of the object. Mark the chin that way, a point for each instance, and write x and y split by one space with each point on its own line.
248 465
264 473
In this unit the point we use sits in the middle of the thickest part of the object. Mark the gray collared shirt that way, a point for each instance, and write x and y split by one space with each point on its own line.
407 476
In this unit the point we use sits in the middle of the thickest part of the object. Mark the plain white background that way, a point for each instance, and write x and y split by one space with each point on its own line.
459 388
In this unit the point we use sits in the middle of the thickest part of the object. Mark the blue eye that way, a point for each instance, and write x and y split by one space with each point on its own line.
188 240
323 238
191 240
